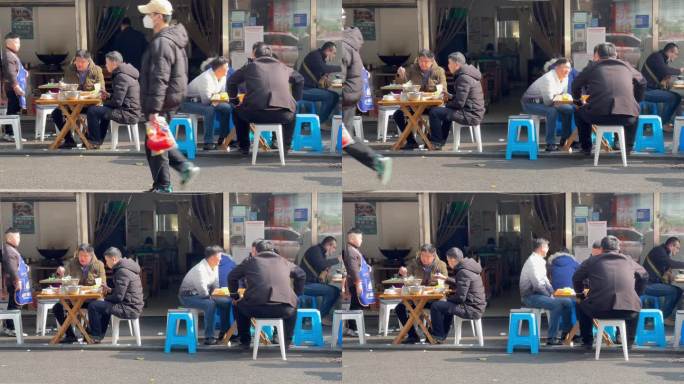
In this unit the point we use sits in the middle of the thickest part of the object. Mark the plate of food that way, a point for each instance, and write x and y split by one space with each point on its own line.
564 98
220 97
564 292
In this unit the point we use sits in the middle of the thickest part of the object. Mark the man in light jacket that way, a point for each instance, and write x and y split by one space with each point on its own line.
539 100
196 288
352 257
273 284
10 271
536 291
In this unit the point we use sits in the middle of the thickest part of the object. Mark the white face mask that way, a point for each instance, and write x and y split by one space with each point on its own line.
148 22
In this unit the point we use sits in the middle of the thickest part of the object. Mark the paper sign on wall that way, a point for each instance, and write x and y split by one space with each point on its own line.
596 230
253 230
595 36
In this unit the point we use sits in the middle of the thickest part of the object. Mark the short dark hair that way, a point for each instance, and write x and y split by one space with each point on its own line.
11 35
606 51
429 248
265 246
328 45
218 63
114 56
596 245
426 53
112 252
457 57
539 242
354 231
212 250
670 46
328 240
85 247
562 61
82 54
263 51
455 253
610 243
256 241
12 230
126 21
257 45
671 240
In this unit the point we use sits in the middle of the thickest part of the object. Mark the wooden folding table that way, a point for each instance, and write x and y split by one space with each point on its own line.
72 305
414 306
71 109
413 111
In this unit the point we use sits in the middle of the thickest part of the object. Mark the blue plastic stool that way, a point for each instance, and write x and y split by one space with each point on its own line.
172 339
646 299
313 335
187 145
515 339
267 136
313 140
610 331
655 335
609 137
656 140
309 106
530 146
267 330
649 107
306 301
339 139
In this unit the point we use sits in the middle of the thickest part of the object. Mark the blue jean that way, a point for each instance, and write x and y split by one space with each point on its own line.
328 293
208 306
551 112
209 112
328 100
670 293
559 307
671 100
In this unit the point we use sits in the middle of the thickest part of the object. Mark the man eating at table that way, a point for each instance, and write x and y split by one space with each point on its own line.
89 77
424 267
467 299
87 269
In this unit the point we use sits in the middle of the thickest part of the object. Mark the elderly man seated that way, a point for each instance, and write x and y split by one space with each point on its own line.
196 288
424 267
89 77
428 75
273 284
89 271
122 106
272 91
210 83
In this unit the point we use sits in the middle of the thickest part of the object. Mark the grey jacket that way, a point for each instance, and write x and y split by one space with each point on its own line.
10 67
352 263
10 262
127 294
268 83
267 276
352 66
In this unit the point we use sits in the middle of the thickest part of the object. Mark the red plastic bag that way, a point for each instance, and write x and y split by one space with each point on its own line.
159 137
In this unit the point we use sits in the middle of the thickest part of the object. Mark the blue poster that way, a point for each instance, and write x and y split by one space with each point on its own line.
301 214
594 23
641 21
643 215
580 26
301 20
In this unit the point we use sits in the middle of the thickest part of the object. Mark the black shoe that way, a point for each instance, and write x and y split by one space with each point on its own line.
551 148
554 341
235 337
244 347
220 141
410 146
439 340
69 339
97 339
244 151
209 147
67 145
210 341
437 146
586 152
221 335
411 340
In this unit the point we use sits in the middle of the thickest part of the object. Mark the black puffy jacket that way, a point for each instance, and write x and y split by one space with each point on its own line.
467 288
125 97
164 75
466 95
127 293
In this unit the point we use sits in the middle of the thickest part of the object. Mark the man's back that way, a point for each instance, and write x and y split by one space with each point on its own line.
268 85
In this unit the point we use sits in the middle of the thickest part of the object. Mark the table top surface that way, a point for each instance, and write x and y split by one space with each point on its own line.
431 102
93 296
392 87
430 296
89 101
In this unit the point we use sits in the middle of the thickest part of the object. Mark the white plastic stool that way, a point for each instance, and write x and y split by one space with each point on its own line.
340 316
679 320
475 325
195 318
41 315
678 125
336 122
456 128
133 327
384 114
620 130
14 121
15 316
603 324
278 130
42 112
259 325
386 306
132 128
538 312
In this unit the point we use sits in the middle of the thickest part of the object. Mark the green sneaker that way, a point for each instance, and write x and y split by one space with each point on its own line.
383 166
168 189
190 171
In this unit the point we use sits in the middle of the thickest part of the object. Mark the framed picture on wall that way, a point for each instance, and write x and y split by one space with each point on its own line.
23 217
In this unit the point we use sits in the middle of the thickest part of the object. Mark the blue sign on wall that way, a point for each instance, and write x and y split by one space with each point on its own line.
301 214
641 21
300 20
643 215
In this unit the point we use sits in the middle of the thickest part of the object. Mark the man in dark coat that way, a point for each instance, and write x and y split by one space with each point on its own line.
124 301
314 67
269 293
131 43
656 71
10 271
615 89
9 82
465 105
163 83
272 91
659 266
468 298
122 106
616 282
316 265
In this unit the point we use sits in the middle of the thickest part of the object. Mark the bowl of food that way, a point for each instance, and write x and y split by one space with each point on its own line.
415 290
72 289
68 87
413 96
49 291
70 95
392 291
